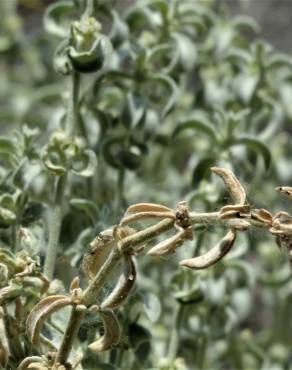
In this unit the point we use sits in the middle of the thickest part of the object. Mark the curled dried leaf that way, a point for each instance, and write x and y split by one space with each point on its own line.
147 214
123 287
170 245
232 184
147 207
101 247
112 333
41 312
279 228
74 283
24 365
213 255
237 224
231 211
262 215
285 190
4 343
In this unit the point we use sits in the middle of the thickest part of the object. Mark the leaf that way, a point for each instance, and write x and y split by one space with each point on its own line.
201 171
7 217
87 206
10 292
152 306
197 124
213 256
119 156
245 85
233 186
139 339
257 146
120 30
112 333
4 343
243 22
41 311
53 18
88 162
186 50
123 287
279 61
169 85
134 110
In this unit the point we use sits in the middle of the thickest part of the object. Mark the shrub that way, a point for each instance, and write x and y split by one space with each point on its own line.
110 119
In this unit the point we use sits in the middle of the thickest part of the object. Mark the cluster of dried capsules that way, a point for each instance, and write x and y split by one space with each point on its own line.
122 242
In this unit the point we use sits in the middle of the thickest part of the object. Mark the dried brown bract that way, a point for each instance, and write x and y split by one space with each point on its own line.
112 333
232 184
213 255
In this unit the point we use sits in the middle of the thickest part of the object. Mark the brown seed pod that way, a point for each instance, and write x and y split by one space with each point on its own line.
213 255
112 333
123 287
232 184
41 312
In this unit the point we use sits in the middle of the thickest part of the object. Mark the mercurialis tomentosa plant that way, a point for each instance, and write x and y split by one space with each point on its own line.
110 116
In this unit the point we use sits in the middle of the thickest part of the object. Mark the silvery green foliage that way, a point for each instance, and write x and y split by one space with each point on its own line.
167 90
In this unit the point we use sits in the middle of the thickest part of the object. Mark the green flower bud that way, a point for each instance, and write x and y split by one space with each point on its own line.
89 50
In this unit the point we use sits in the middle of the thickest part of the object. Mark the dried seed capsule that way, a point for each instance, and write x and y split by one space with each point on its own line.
213 255
123 287
232 184
112 333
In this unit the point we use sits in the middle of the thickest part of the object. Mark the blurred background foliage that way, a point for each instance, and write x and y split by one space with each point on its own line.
188 86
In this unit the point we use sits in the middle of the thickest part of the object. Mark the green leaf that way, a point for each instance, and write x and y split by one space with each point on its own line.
120 30
187 51
202 170
159 85
119 155
86 205
54 18
245 85
134 110
152 306
243 22
257 146
139 339
86 164
197 124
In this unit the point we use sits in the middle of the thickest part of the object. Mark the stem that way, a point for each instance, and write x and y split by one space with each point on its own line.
70 335
72 114
55 223
174 338
121 201
88 10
